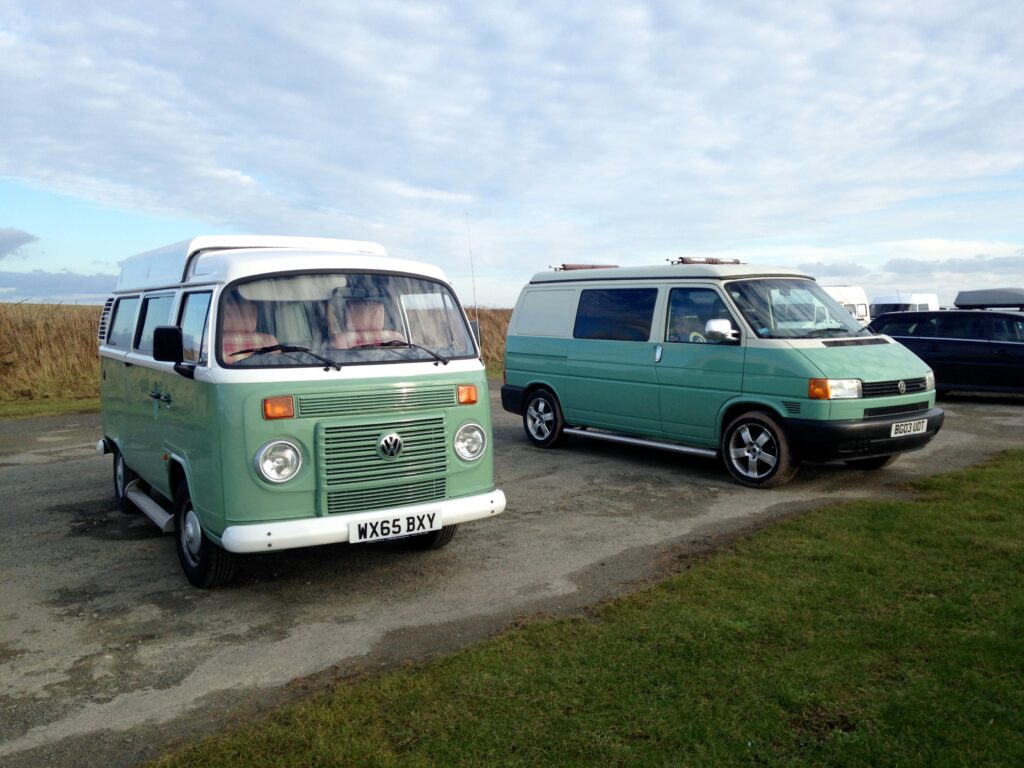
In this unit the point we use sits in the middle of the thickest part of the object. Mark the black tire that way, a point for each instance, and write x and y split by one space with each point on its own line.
756 452
542 419
434 539
123 475
875 462
205 564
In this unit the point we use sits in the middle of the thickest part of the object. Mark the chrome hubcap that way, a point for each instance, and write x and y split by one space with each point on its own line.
540 419
191 536
753 451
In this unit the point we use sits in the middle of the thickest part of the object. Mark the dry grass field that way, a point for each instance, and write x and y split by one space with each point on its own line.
48 352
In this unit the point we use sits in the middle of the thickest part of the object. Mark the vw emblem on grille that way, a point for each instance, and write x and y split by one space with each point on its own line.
902 387
390 446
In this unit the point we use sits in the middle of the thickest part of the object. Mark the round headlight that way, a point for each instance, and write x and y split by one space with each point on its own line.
278 461
470 442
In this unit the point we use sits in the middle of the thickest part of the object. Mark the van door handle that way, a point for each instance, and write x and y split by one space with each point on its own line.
657 353
161 398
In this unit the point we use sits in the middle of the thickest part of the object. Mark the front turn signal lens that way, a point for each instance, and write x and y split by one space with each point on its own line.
467 394
833 389
279 407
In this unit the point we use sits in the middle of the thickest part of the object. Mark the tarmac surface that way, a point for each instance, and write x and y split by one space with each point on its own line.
108 656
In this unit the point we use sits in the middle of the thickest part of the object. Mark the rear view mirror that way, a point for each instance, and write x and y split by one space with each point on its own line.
721 330
169 347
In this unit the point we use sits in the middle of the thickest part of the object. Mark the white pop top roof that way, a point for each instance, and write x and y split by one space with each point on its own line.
666 272
224 258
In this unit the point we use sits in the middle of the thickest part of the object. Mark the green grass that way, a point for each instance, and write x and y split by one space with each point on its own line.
862 635
54 406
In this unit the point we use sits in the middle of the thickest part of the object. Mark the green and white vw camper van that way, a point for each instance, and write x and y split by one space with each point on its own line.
711 357
266 393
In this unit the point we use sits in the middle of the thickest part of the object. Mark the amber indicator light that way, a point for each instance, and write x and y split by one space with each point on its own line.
817 389
467 394
278 407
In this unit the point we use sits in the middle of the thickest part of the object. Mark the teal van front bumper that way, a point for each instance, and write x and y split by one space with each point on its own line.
821 441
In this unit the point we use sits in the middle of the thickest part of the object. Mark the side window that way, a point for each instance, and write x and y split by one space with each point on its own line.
958 326
123 323
901 326
156 310
1004 328
618 314
689 310
194 313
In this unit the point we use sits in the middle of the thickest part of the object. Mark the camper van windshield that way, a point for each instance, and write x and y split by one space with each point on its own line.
791 308
346 318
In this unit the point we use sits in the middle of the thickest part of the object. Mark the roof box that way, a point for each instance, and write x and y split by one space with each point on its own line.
991 298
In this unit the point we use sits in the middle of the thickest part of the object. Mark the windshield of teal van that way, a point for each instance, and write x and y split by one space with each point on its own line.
791 308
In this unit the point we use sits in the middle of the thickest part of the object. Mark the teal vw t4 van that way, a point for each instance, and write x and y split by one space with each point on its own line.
711 357
266 393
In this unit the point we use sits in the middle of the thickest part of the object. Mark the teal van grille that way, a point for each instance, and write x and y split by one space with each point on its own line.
342 502
894 410
351 453
883 388
377 400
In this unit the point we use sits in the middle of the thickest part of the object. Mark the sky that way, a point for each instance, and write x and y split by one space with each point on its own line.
878 144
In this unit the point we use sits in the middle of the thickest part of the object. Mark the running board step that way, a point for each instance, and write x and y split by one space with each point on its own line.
164 520
708 453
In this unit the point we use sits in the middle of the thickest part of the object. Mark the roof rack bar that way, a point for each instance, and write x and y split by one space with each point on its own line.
702 260
571 267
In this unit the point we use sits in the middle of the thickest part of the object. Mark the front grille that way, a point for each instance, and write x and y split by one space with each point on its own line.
349 454
891 410
342 502
885 388
406 398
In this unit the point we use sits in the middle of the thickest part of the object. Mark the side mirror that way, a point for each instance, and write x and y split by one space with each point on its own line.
721 330
169 347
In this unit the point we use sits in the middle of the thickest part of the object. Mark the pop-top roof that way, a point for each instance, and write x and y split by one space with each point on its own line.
690 270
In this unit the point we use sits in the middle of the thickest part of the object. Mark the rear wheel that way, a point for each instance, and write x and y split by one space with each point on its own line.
756 451
542 419
205 564
123 476
875 462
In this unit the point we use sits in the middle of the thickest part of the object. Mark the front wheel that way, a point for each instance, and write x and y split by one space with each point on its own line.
875 462
756 451
434 539
205 564
542 419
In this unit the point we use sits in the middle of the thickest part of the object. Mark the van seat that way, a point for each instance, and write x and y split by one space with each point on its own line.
363 324
239 332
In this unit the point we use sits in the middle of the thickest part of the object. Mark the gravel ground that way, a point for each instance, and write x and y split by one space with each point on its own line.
108 656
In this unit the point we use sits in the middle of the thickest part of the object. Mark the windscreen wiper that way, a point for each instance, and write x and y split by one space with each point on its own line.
289 348
819 332
396 343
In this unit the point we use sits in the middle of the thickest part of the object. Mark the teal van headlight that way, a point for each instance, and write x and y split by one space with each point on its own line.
278 462
833 389
929 380
470 441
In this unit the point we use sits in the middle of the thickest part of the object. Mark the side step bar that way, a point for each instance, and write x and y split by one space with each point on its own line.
164 520
708 453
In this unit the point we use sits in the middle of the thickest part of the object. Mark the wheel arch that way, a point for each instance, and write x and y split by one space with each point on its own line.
735 408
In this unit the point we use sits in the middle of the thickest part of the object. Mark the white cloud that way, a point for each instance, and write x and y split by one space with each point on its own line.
599 131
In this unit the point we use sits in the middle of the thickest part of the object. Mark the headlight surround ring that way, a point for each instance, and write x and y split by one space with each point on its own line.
470 442
278 461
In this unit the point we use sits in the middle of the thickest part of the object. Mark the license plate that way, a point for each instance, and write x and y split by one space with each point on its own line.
905 428
393 527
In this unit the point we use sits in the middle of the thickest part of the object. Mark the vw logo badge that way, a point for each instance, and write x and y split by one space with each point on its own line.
390 446
902 387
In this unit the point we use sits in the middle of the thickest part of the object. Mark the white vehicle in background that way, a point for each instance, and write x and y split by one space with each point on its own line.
853 299
904 302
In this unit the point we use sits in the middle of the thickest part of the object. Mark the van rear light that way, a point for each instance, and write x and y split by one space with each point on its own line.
282 407
467 394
